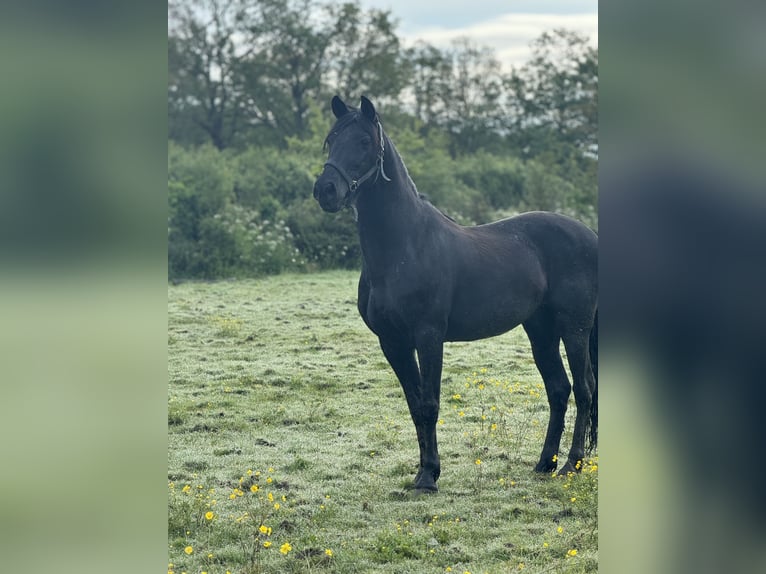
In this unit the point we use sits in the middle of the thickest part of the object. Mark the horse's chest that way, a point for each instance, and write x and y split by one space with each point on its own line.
391 311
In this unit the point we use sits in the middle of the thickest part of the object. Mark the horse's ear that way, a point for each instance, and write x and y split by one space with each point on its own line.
368 109
338 107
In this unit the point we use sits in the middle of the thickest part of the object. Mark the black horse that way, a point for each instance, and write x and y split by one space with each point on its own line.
426 280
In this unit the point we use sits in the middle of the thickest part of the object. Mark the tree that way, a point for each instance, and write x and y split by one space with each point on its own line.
366 55
459 90
206 44
430 83
248 71
286 69
555 95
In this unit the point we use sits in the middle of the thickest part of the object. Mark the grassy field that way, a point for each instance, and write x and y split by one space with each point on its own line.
291 448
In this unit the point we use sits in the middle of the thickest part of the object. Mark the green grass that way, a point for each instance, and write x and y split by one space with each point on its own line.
277 384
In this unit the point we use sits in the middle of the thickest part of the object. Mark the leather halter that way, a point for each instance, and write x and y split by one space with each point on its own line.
376 170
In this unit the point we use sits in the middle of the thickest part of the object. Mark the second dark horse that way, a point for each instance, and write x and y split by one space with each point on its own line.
426 280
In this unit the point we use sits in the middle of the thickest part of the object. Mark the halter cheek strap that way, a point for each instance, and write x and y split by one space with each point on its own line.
376 170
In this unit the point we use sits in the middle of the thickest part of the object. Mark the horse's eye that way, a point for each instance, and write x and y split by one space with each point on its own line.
366 141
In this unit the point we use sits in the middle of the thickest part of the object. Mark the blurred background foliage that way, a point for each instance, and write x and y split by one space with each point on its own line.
249 84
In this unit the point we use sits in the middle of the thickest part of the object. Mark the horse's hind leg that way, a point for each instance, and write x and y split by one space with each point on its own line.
584 383
545 349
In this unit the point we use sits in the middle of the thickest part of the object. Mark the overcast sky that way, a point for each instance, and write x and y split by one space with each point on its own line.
507 26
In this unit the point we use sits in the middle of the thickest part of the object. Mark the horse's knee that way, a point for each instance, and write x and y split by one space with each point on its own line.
429 412
558 398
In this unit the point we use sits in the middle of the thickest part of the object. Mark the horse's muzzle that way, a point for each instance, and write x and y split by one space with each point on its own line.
326 194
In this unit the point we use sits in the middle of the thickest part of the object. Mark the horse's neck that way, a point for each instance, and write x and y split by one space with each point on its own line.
388 214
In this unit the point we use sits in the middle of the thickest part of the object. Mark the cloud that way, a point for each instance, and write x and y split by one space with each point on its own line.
459 12
509 34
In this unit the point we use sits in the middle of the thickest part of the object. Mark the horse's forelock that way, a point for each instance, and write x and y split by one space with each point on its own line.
343 121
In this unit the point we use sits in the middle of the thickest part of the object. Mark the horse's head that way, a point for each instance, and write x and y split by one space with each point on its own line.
356 148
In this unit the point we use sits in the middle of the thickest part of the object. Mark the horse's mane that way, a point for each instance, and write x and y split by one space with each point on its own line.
424 198
408 180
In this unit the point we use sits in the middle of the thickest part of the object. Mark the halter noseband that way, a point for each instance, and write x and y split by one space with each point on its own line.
376 170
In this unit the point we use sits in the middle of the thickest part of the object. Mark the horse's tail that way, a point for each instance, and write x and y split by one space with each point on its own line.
593 345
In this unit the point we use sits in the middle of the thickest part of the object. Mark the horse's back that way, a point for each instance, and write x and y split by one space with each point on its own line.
510 268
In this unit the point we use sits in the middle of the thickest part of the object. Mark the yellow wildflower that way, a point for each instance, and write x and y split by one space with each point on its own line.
328 552
285 548
188 549
572 552
209 515
267 544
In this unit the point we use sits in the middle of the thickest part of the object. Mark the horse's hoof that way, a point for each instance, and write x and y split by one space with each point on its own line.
545 466
569 468
425 480
425 484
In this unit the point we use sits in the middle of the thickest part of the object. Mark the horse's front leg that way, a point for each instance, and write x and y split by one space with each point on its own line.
430 354
422 403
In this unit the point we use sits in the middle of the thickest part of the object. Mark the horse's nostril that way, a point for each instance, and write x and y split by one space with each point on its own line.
325 190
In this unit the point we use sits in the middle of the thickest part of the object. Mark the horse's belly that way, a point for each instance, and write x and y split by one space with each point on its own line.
471 330
491 315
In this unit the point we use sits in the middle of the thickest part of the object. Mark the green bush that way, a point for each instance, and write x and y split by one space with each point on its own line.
210 233
249 213
326 240
269 180
200 185
258 246
499 180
